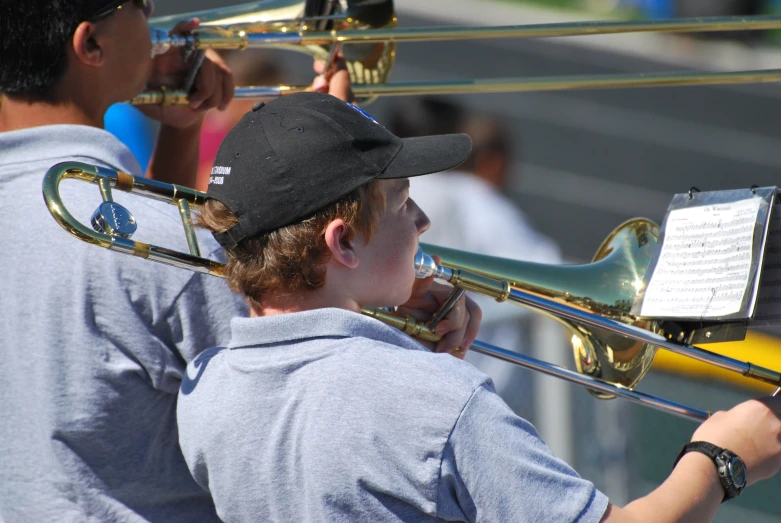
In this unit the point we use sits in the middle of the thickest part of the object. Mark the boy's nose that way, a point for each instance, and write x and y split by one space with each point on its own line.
423 223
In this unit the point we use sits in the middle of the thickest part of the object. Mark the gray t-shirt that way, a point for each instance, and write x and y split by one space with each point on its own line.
328 415
93 347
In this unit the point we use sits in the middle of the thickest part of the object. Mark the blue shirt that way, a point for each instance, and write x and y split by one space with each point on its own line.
328 415
93 347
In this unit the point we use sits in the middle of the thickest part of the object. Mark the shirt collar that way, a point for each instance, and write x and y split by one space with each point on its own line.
55 143
318 323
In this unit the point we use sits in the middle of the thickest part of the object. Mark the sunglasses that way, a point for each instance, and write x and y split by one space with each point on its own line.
147 6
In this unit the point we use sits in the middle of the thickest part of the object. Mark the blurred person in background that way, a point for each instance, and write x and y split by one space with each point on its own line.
470 212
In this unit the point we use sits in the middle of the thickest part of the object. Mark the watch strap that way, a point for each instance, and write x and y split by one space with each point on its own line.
713 452
709 449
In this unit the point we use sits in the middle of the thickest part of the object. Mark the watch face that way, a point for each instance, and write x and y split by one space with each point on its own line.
737 470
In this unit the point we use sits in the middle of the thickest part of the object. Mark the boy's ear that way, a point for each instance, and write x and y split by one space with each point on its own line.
341 248
86 45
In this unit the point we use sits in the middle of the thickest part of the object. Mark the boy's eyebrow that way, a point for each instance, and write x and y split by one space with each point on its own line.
398 188
404 188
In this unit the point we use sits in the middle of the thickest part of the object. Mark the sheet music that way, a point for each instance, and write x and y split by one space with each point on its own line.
705 262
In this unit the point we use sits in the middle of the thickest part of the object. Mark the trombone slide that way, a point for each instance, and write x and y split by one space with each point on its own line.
492 85
253 35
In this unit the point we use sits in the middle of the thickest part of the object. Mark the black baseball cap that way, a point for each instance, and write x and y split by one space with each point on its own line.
289 158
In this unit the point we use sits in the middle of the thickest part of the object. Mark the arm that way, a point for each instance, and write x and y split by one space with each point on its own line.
693 491
497 466
175 158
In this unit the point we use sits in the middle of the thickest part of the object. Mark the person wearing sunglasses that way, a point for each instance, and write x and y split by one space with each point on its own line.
147 6
94 345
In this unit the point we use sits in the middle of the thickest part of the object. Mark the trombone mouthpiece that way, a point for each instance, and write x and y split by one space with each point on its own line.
162 42
425 267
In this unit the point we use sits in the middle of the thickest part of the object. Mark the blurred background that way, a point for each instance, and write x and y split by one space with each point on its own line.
555 173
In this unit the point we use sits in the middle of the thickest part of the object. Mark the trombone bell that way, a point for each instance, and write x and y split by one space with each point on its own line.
608 286
232 27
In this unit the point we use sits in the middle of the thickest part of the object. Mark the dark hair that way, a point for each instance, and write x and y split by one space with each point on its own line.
431 115
489 134
426 116
33 39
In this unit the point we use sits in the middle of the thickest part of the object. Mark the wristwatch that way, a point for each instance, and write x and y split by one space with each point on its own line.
731 469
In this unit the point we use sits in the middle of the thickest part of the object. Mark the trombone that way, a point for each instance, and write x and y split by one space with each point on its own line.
613 348
366 30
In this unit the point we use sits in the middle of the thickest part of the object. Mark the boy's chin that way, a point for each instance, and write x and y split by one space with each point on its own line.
402 298
391 301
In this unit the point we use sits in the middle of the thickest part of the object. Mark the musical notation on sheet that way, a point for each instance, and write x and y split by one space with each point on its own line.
705 262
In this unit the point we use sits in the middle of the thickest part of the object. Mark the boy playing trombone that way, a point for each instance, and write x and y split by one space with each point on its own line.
314 412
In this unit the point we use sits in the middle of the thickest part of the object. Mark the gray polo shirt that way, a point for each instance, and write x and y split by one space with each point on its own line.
93 345
328 415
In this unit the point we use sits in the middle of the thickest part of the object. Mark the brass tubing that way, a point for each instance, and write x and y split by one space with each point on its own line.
130 247
164 96
166 192
587 28
242 36
585 318
412 328
420 331
405 324
591 383
489 286
124 181
560 83
445 308
761 374
499 85
51 195
499 290
105 189
186 261
145 187
187 223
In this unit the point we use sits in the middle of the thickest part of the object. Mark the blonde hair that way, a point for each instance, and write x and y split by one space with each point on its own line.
291 258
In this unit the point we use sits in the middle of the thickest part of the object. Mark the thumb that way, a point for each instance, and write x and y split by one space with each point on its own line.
320 84
185 27
339 86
